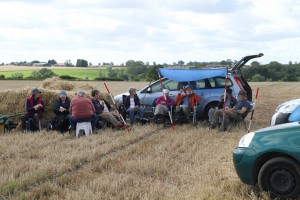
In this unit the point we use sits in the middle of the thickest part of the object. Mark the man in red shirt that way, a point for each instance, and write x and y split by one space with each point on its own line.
82 110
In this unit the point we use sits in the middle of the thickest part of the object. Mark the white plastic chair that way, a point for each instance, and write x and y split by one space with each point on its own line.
85 127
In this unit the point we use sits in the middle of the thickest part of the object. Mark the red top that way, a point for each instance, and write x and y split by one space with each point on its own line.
81 107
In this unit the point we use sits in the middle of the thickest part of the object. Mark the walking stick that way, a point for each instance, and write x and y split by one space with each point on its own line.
162 87
253 108
224 103
120 116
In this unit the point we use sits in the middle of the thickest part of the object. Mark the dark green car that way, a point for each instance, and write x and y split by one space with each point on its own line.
271 158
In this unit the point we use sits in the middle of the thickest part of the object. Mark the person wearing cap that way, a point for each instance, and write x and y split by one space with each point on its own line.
82 110
163 103
104 109
230 102
186 100
237 113
61 110
132 105
34 109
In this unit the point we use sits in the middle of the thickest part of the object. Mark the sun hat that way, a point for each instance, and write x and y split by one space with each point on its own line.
63 93
166 91
186 87
35 91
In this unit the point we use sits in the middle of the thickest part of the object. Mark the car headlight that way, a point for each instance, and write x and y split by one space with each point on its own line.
246 140
290 108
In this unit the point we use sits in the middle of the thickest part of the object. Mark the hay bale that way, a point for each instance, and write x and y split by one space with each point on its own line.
56 83
12 102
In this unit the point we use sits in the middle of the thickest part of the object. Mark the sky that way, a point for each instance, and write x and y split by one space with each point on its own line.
160 31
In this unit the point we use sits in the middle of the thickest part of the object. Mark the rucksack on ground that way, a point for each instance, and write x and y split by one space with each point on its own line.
159 119
179 118
59 123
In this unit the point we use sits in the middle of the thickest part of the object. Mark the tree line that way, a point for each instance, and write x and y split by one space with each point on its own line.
274 71
140 71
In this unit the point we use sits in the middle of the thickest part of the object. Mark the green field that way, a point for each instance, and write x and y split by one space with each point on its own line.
78 73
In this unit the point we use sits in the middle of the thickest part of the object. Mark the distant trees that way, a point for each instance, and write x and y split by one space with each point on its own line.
273 71
180 63
68 63
152 72
136 70
52 62
81 63
42 74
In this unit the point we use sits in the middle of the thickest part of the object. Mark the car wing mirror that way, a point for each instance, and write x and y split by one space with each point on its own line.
149 90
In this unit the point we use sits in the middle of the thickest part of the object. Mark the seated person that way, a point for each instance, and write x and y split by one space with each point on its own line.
61 110
229 103
103 109
163 103
237 113
132 105
82 110
186 101
34 109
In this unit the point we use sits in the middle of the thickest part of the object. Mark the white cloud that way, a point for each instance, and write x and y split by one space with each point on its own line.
164 31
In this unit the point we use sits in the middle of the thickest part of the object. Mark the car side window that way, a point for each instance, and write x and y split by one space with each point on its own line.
203 84
200 84
220 82
168 84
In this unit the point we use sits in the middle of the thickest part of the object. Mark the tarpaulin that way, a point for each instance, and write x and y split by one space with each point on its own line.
181 75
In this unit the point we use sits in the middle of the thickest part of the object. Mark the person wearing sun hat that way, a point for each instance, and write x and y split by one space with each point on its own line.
162 103
186 100
60 121
62 104
34 108
237 113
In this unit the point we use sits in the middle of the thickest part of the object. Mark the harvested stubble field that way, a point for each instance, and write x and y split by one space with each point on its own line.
150 162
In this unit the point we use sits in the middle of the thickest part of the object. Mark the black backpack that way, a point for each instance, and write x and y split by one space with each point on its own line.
179 118
159 119
59 123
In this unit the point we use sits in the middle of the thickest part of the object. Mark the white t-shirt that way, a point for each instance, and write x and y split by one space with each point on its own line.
105 109
132 105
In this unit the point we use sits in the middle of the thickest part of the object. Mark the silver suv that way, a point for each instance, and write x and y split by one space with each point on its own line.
209 89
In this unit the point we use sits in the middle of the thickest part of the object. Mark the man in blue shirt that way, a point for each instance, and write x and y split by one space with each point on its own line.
237 113
229 103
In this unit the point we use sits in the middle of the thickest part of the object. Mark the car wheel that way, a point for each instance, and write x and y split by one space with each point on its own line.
280 176
208 107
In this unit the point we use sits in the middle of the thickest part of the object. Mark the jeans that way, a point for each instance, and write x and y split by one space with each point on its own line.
131 111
